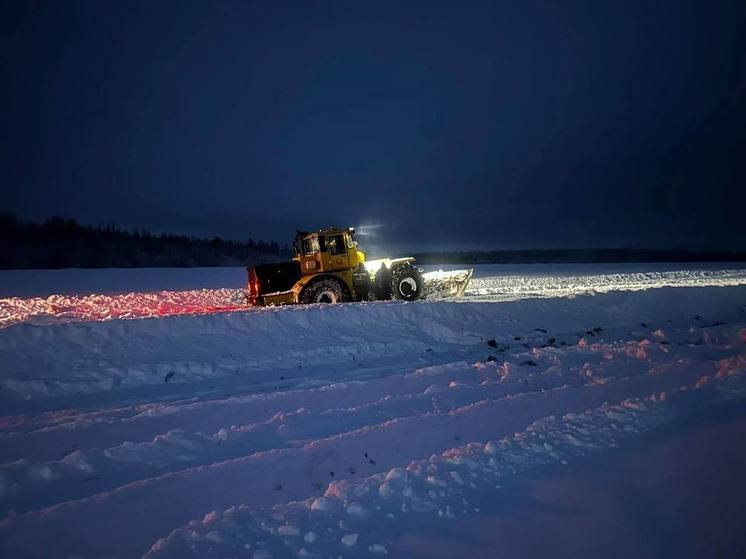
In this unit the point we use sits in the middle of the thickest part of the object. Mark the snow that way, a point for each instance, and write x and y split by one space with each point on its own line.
511 283
59 296
679 493
336 430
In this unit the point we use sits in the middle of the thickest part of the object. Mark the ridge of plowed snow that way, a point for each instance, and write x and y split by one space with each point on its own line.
40 363
552 281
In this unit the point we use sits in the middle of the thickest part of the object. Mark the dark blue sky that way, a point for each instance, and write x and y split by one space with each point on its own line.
454 124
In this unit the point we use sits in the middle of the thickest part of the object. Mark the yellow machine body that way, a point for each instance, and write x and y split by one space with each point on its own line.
325 254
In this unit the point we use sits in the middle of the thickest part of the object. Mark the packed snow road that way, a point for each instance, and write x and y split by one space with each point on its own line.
327 431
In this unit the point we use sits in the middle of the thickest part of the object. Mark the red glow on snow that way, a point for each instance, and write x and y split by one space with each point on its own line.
170 310
98 307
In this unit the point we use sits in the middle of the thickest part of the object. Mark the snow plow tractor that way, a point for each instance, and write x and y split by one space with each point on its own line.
328 267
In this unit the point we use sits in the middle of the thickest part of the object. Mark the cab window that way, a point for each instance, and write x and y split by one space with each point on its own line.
310 246
336 244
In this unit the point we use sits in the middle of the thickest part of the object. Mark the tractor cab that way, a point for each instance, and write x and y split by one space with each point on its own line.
327 250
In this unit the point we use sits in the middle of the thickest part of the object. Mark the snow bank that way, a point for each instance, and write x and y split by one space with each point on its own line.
60 309
60 296
88 358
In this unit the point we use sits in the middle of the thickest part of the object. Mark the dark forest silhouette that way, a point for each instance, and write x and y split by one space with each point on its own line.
64 243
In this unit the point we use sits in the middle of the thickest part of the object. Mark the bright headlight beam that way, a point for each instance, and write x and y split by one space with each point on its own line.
368 230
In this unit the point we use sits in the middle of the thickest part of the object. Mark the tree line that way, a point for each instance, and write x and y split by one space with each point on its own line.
64 243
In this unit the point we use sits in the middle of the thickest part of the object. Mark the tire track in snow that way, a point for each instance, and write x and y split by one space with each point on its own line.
218 440
244 479
36 484
364 517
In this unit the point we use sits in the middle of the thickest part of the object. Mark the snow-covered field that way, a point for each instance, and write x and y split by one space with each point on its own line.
197 428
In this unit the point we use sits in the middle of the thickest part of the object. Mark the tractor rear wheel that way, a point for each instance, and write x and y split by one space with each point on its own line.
407 283
326 290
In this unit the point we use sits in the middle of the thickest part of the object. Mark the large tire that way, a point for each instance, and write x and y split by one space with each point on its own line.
327 290
407 283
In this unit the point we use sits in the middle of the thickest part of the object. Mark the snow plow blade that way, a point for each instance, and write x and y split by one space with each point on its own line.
440 284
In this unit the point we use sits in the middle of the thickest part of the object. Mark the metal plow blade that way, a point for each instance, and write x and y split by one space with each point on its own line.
442 284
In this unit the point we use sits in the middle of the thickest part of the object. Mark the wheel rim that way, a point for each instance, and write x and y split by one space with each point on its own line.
407 287
326 296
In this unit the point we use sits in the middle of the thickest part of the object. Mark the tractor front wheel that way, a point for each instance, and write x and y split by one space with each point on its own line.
407 283
325 291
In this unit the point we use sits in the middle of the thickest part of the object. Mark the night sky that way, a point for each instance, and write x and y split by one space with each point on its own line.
451 125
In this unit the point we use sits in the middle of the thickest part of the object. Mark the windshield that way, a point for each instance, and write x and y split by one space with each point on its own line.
310 245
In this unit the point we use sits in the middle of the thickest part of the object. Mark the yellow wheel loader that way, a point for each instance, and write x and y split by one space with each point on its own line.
328 267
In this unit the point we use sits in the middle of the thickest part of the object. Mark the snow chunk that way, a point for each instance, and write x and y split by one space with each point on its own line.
322 503
395 473
336 489
213 536
384 490
432 480
349 539
41 472
455 476
356 509
288 530
78 460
